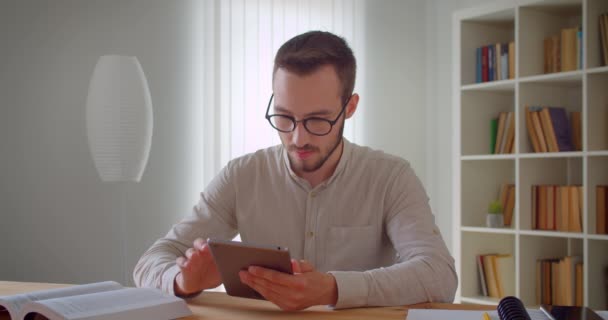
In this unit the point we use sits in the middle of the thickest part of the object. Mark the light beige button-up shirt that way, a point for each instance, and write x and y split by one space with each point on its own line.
369 225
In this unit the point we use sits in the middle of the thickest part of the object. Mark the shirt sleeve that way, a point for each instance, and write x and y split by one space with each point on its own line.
212 217
424 270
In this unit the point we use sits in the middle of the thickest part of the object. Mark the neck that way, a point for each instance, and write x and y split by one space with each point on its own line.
327 169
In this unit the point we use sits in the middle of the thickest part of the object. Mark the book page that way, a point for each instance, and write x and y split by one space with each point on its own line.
128 303
14 303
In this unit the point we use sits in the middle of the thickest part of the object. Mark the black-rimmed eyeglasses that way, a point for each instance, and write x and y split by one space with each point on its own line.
314 125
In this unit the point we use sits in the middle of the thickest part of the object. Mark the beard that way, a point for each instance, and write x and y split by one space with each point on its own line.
314 166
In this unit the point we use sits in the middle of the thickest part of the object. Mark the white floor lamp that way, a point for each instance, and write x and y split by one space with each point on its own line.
119 125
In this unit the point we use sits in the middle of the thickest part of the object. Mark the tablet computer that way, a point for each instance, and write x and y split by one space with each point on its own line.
232 257
569 313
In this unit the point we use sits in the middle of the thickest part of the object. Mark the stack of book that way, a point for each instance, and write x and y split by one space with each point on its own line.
601 198
507 200
496 275
559 281
557 208
550 131
604 38
495 62
563 52
502 131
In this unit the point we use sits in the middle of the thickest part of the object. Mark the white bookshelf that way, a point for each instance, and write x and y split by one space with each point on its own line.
478 174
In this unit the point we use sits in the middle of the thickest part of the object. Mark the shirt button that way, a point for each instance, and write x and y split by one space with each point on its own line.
313 194
311 234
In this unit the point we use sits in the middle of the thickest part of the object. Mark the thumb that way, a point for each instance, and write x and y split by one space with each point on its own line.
306 266
301 266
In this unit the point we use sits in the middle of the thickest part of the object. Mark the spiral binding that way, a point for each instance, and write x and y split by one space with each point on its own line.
511 308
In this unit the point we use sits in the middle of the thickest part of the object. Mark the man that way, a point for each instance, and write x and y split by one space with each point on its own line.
356 220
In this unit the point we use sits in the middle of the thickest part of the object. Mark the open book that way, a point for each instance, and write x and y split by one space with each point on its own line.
102 300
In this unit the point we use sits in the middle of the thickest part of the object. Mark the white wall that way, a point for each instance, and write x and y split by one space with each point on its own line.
438 53
391 115
62 223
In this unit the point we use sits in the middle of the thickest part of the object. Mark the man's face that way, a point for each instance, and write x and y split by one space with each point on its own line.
313 95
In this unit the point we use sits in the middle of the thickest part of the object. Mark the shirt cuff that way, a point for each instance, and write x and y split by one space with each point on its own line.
168 280
352 289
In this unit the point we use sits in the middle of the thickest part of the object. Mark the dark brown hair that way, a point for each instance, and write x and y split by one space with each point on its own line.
305 53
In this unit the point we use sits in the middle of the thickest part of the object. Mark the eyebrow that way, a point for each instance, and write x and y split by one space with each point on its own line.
312 114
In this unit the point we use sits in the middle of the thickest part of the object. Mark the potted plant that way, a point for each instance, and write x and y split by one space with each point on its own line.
494 218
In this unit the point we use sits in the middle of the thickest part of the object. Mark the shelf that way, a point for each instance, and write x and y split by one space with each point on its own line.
555 234
488 230
482 244
481 185
597 70
499 85
603 153
479 174
542 155
531 249
601 237
597 112
598 295
509 156
480 300
570 78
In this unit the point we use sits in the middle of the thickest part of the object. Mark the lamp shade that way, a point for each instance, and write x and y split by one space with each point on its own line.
119 118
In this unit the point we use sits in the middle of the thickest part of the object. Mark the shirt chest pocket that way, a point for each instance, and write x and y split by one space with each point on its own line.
352 248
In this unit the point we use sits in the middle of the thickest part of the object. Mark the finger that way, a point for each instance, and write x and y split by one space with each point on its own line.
199 243
189 253
261 285
273 276
306 266
295 266
181 262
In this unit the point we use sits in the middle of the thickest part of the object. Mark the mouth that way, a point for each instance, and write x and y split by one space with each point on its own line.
303 154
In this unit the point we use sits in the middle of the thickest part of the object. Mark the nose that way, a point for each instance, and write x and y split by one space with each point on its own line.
300 136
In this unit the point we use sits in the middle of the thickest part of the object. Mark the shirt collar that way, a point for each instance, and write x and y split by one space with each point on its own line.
346 153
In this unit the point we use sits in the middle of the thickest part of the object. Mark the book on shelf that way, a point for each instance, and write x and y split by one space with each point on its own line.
603 21
102 300
506 197
601 207
493 134
549 129
496 275
559 281
563 51
531 131
511 60
557 208
495 62
577 135
569 49
503 141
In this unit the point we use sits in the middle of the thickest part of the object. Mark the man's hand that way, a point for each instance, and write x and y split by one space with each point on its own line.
197 270
305 288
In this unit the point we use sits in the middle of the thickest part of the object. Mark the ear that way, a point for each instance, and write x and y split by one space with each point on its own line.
351 107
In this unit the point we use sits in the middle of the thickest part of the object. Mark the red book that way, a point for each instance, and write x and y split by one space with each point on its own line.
484 64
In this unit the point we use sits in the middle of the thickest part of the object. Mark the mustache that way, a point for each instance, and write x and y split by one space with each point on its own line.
305 148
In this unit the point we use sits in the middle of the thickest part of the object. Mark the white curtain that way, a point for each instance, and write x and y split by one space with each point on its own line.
243 37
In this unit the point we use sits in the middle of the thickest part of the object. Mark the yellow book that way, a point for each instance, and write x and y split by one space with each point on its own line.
488 269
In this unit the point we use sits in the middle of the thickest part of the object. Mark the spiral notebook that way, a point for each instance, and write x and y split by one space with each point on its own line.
509 308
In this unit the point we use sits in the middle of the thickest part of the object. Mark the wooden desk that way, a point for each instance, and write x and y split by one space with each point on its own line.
216 305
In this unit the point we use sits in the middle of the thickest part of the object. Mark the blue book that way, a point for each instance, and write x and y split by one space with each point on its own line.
561 127
478 62
579 44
